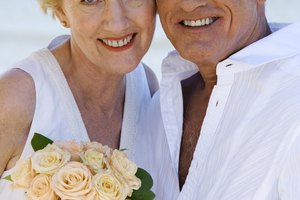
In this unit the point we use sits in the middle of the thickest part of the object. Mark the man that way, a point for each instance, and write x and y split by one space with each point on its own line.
227 124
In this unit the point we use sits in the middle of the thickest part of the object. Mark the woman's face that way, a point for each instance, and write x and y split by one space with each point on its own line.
113 35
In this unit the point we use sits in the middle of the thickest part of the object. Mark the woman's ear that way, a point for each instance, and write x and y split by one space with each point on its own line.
60 14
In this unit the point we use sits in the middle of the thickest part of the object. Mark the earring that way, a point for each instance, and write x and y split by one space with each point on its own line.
63 23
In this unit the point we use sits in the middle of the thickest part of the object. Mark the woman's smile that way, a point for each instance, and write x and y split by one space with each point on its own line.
118 44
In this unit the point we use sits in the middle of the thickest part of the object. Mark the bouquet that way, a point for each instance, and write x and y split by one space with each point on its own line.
85 171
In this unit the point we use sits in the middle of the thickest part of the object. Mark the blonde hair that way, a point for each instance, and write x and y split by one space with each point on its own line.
50 5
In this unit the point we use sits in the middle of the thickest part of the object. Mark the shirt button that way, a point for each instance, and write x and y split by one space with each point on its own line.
217 103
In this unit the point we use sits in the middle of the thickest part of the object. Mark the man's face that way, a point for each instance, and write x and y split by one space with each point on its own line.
207 31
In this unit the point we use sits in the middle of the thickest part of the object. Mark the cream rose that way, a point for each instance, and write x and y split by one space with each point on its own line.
93 195
73 181
98 147
94 159
109 187
121 164
72 147
22 174
49 159
40 189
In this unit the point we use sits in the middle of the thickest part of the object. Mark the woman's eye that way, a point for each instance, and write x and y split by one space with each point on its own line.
90 2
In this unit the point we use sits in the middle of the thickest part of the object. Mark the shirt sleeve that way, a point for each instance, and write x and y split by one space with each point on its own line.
289 179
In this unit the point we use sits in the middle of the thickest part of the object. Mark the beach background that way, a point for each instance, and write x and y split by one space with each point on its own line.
24 29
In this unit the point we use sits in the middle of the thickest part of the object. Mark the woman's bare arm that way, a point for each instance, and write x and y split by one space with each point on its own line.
17 104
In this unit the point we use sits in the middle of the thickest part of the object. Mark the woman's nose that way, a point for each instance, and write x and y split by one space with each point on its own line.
116 18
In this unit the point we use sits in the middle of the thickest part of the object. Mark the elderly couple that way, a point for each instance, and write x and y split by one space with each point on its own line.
224 125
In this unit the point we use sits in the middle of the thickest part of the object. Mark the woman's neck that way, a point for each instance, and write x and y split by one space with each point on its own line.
89 83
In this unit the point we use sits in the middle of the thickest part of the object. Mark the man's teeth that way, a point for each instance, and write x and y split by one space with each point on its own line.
118 43
199 22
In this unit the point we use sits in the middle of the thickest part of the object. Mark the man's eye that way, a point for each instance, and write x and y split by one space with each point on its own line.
134 3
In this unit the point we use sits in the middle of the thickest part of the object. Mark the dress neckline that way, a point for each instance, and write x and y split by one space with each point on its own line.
69 103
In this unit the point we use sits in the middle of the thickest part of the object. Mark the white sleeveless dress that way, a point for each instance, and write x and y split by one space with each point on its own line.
57 115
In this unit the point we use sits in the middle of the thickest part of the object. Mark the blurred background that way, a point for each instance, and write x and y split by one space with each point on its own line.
24 29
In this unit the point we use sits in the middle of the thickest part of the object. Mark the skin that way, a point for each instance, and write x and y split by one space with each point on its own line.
235 24
84 60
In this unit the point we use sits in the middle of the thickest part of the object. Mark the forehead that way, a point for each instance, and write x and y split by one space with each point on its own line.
211 2
101 3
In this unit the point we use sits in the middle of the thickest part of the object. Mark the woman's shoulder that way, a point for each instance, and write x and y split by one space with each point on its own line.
16 83
17 94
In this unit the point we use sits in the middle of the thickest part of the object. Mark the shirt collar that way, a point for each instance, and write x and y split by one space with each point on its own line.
278 45
174 64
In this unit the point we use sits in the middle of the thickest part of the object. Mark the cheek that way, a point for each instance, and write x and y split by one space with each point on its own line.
87 29
148 13
145 20
84 22
242 25
165 16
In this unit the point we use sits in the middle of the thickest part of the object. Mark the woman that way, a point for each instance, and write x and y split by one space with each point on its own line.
87 86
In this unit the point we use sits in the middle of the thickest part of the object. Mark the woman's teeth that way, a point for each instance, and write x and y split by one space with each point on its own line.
118 43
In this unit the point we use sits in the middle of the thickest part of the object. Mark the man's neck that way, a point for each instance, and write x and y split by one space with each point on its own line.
208 75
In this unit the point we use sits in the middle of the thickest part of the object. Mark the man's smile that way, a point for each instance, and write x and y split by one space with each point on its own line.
199 22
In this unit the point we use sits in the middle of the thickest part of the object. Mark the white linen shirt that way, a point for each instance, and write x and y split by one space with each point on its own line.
249 146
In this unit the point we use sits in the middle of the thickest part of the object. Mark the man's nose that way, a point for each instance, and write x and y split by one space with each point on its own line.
191 5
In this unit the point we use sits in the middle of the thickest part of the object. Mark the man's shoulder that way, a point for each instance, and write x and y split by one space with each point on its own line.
290 65
277 46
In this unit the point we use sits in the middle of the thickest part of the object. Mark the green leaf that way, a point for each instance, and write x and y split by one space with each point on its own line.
39 141
8 178
123 149
143 193
145 177
149 195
